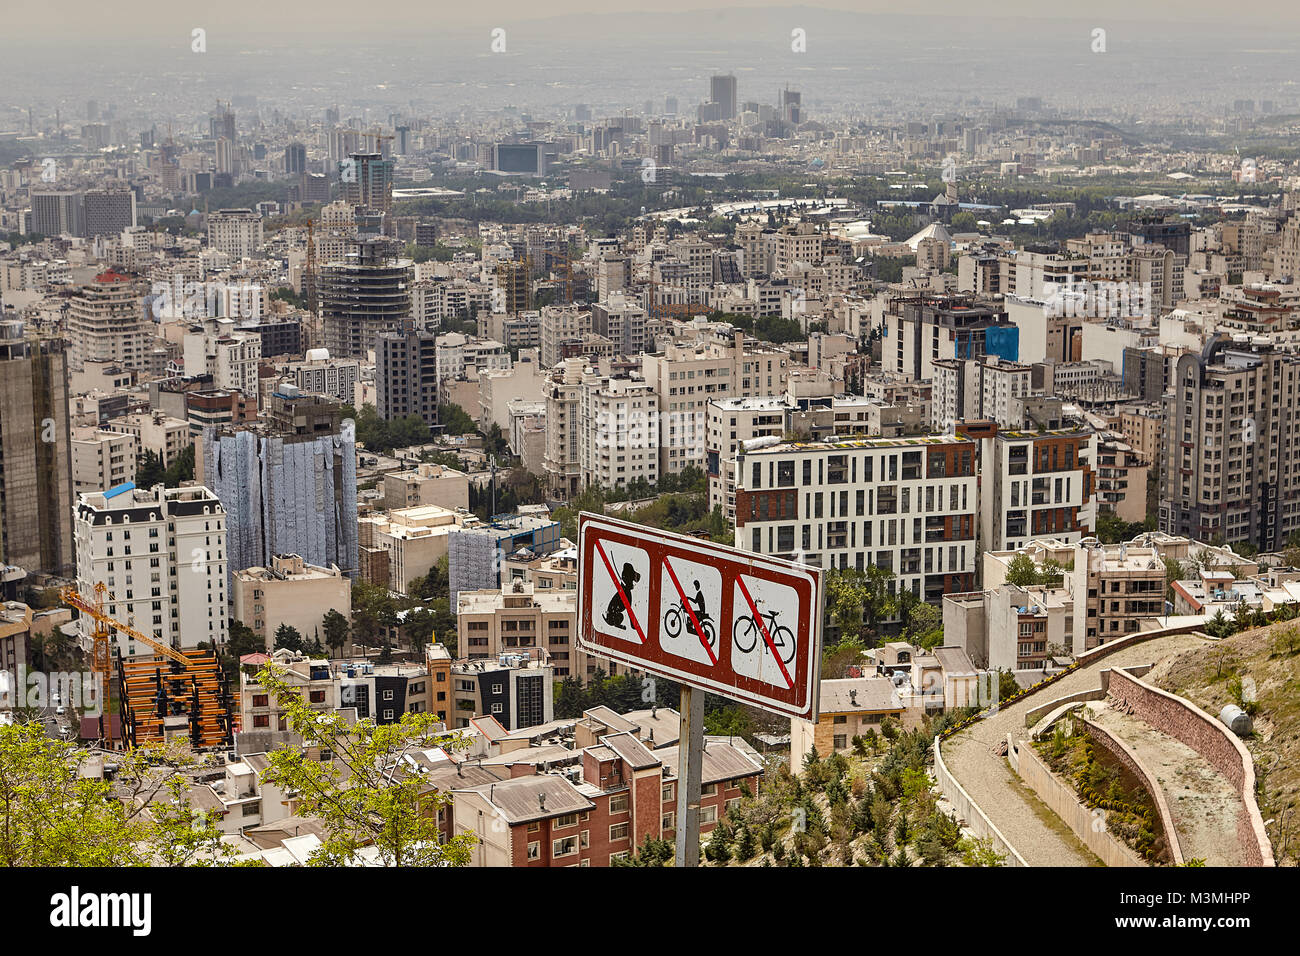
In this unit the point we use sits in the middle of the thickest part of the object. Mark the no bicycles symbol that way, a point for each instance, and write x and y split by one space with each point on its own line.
743 625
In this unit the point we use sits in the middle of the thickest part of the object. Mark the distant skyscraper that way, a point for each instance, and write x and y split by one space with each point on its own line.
670 105
367 180
108 211
35 454
58 212
295 159
722 90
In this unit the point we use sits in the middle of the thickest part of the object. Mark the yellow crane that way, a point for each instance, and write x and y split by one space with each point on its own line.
104 627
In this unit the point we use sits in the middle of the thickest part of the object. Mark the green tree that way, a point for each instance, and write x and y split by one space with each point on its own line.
53 815
181 468
1022 572
149 470
288 637
365 796
455 421
336 628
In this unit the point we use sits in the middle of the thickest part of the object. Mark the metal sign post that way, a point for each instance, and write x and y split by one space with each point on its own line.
689 766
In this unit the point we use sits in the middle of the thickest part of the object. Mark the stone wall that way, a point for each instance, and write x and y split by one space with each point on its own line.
1184 721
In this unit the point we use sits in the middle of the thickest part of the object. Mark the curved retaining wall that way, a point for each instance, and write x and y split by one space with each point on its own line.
1183 720
1064 802
970 812
1129 758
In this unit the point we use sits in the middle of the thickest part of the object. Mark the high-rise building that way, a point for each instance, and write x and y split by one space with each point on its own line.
1231 449
406 375
366 292
722 90
562 460
288 483
295 159
35 454
1036 484
57 212
108 212
162 554
511 278
236 232
107 323
620 431
367 180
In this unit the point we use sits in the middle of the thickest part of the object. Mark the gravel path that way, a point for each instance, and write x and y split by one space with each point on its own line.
1202 801
1036 833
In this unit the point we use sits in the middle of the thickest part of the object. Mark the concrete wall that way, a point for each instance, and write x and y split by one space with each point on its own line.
1061 800
1185 721
968 810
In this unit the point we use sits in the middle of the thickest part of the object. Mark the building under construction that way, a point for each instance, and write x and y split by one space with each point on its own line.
163 700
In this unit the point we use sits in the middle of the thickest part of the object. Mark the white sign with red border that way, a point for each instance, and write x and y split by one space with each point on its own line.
742 625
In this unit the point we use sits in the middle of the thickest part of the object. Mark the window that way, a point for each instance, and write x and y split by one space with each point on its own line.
565 846
497 709
388 695
534 850
620 855
388 713
568 820
668 821
708 790
708 815
318 697
618 831
618 803
260 700
669 793
261 720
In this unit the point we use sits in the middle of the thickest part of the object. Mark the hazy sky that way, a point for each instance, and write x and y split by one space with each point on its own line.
88 18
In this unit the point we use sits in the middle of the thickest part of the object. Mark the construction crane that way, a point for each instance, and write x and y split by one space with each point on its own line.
104 627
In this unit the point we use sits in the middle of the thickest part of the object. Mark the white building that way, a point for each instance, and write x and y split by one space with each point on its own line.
620 427
235 232
162 554
230 356
907 505
102 459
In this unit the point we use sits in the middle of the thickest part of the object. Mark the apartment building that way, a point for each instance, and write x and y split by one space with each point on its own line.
1121 479
402 544
235 232
521 617
292 592
969 389
1036 484
102 459
561 325
1230 459
321 375
515 690
106 323
599 806
406 376
162 554
165 436
427 484
907 505
624 323
620 431
231 357
1012 628
687 376
922 329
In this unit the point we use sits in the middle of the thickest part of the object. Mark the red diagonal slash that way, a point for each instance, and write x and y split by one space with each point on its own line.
762 629
621 596
699 631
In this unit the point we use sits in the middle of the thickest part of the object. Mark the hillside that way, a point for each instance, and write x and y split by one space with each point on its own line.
1260 670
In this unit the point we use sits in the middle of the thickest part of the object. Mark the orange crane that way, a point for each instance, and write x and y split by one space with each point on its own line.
104 627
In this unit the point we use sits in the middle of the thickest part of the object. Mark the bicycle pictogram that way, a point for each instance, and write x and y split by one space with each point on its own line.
746 634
